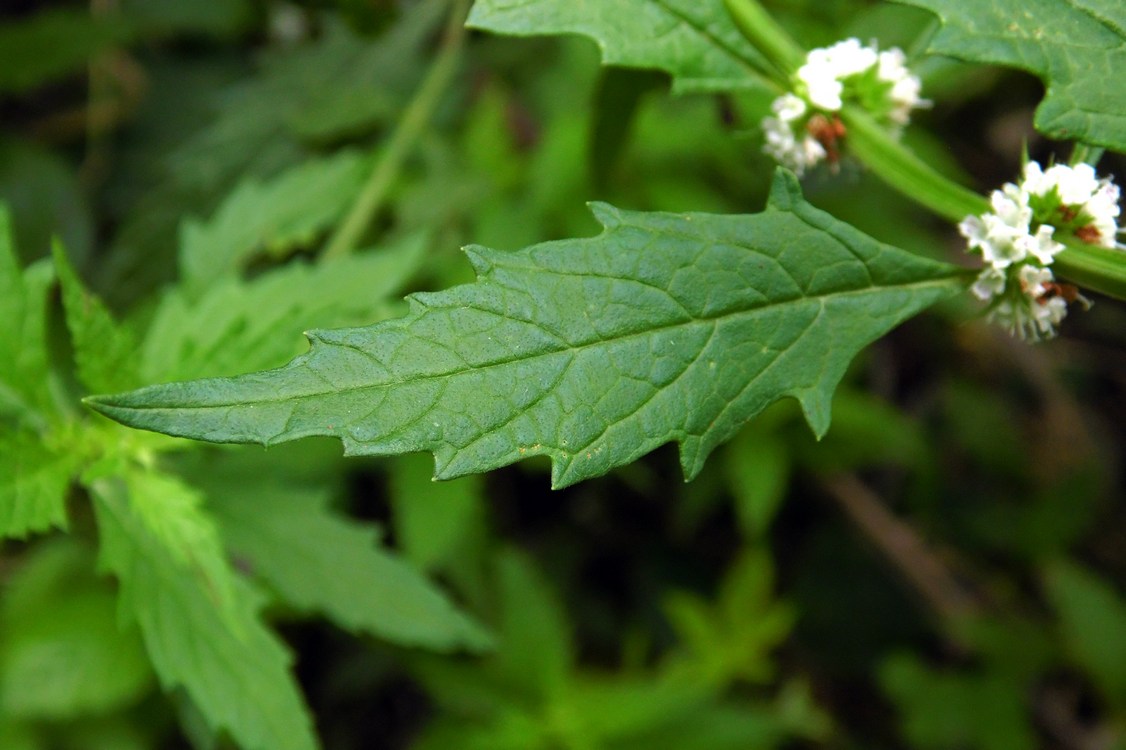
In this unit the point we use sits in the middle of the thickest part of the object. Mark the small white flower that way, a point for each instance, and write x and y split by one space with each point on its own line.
990 283
789 107
1017 240
1034 281
827 78
794 151
1041 245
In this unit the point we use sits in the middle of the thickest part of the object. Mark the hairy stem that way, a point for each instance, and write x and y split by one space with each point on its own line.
409 128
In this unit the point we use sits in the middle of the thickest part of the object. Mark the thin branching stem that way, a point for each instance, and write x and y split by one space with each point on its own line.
410 126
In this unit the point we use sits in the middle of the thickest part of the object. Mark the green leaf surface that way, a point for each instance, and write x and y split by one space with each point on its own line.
34 480
1077 47
231 665
272 216
666 327
104 351
237 325
320 561
24 391
695 41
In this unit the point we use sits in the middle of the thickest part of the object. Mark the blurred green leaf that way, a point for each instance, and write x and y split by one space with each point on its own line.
34 479
1092 618
941 711
867 431
24 383
236 325
63 653
216 17
234 668
535 651
273 217
731 639
104 352
323 562
436 523
46 201
55 43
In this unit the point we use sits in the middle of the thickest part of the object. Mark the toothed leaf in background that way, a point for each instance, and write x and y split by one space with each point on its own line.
695 42
33 484
236 325
235 669
104 352
1077 47
292 541
666 327
268 217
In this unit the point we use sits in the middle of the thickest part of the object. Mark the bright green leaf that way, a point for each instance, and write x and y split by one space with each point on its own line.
288 210
320 561
236 325
666 327
24 381
104 351
1078 48
232 666
1093 620
34 480
695 41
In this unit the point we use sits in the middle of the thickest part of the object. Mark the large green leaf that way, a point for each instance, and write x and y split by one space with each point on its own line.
695 41
666 327
199 638
1078 47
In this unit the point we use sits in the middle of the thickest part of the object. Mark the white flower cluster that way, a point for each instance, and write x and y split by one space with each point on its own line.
1017 239
804 128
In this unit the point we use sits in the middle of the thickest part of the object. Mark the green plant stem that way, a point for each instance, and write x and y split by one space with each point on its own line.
892 162
1095 268
1083 153
409 128
761 30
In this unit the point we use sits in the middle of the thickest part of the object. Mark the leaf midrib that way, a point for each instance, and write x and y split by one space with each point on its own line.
918 285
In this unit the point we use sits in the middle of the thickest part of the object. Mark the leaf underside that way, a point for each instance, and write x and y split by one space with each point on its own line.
1078 48
593 352
695 41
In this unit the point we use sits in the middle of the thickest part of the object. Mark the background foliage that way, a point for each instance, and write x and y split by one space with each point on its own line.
945 569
